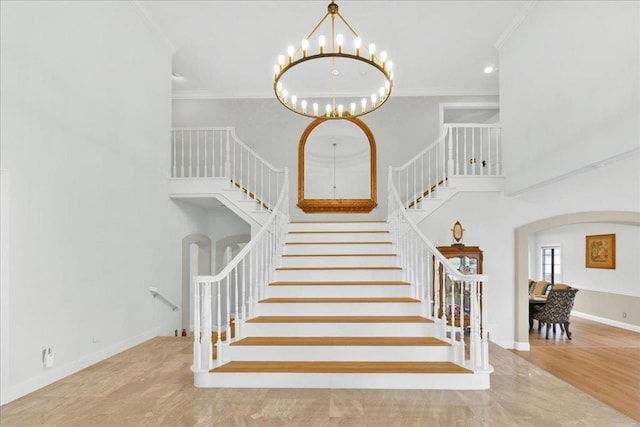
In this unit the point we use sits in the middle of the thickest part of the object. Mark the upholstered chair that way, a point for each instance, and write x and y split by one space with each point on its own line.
560 286
540 288
557 310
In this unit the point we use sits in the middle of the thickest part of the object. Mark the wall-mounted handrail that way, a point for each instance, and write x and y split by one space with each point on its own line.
157 294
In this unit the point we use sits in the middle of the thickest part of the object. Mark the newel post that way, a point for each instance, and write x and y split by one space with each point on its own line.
450 164
227 161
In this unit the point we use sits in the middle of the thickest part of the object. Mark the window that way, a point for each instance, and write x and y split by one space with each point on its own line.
551 264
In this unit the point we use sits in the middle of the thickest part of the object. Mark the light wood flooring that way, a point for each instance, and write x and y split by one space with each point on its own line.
600 360
151 385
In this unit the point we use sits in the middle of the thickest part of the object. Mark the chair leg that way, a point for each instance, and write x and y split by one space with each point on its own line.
548 327
539 326
554 329
566 328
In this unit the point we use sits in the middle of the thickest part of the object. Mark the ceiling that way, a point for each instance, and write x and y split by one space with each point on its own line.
227 49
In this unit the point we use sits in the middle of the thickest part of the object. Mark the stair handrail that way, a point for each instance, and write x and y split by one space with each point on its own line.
157 294
215 152
421 175
429 272
248 273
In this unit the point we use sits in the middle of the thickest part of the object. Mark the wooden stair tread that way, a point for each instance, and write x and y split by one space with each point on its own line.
339 300
341 341
325 367
339 319
343 283
339 268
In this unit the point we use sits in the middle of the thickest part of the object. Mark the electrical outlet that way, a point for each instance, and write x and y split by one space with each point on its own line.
624 314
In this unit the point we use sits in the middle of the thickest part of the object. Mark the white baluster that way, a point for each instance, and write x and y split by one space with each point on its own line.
450 164
219 322
228 297
227 163
190 154
498 150
464 143
198 153
482 162
489 158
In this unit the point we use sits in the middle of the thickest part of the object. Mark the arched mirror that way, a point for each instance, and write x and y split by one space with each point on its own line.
337 167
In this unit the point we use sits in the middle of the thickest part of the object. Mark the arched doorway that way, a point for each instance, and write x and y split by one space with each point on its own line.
522 235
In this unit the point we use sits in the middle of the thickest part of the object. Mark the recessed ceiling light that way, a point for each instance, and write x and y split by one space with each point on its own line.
489 69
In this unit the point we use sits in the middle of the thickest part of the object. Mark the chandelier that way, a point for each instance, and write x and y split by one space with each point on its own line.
332 80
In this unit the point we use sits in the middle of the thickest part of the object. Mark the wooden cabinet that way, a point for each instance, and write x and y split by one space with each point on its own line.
468 260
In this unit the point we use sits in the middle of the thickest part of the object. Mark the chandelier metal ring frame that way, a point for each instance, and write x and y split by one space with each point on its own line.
356 105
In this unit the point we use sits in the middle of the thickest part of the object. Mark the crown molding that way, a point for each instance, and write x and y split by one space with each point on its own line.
517 21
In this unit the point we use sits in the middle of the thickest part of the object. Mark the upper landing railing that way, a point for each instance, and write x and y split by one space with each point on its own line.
462 150
215 152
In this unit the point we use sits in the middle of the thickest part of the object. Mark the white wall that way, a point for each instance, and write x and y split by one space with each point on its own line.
222 223
569 89
624 279
403 127
86 110
490 219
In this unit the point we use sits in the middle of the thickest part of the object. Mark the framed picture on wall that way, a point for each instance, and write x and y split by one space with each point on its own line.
600 251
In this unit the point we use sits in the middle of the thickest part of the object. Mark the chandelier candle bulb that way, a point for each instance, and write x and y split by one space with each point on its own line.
315 109
294 101
353 109
279 87
285 95
383 58
303 104
381 91
340 110
373 100
305 48
281 61
357 43
328 109
340 42
372 51
290 52
363 104
321 41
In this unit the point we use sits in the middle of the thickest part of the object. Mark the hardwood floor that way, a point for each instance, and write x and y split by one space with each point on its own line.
151 385
600 360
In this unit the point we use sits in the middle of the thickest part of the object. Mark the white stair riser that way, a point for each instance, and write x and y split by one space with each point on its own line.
337 275
338 309
338 237
338 291
339 248
338 329
341 353
338 226
339 261
478 381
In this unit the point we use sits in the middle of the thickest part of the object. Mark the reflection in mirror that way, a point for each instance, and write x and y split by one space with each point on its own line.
336 160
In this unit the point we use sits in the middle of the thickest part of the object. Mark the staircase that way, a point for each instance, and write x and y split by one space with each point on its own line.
338 314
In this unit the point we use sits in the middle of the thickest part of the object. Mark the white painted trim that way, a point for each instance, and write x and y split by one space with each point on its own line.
513 26
513 345
56 374
613 159
466 105
154 26
5 264
606 321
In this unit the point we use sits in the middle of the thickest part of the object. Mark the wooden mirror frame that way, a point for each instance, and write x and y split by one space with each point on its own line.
337 205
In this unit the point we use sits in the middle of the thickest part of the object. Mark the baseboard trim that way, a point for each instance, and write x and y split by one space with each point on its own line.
606 321
50 376
514 345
